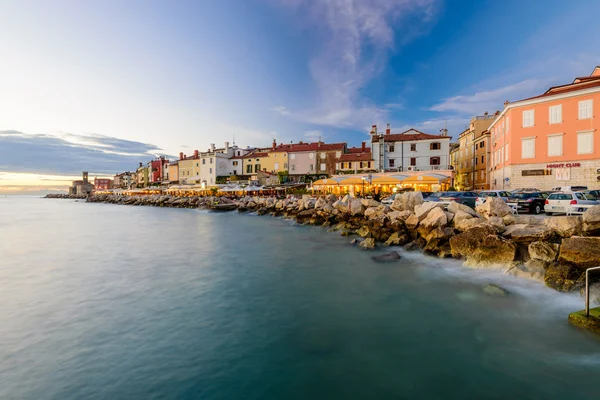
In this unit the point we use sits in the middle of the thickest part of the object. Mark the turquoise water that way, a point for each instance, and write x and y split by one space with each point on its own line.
115 302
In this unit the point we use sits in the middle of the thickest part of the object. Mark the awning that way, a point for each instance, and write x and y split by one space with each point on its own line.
329 181
389 179
427 179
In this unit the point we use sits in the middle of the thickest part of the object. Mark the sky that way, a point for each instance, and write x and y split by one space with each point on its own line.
103 85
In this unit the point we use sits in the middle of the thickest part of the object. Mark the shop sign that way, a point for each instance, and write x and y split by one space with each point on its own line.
536 172
565 165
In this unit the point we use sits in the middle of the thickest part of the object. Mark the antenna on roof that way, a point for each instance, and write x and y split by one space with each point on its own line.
234 140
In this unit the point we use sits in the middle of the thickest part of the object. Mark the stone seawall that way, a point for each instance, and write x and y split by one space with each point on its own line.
555 251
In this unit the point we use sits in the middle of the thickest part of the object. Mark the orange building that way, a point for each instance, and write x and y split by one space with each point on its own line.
549 140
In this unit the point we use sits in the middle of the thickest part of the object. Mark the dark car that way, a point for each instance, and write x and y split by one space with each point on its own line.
466 198
594 192
528 202
433 196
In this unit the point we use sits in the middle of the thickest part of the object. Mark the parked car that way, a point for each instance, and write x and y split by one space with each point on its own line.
388 200
484 194
528 202
434 196
525 190
595 193
466 198
569 203
569 188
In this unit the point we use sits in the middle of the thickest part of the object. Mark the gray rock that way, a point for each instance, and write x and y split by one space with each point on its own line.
494 207
565 226
388 257
495 290
422 210
368 244
543 251
453 207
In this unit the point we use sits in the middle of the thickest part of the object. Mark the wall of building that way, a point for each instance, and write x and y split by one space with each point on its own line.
403 154
302 163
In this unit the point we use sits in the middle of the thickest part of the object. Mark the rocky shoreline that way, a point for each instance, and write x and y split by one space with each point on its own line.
555 251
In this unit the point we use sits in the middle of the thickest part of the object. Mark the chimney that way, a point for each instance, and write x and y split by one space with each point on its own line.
181 155
319 143
226 147
212 147
364 146
506 103
140 165
373 130
196 153
497 113
388 130
274 143
300 142
485 113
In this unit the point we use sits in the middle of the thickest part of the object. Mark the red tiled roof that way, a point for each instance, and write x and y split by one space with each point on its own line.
356 157
236 157
254 155
404 137
571 87
359 150
298 147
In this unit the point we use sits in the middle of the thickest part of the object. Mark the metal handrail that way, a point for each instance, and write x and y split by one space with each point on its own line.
587 290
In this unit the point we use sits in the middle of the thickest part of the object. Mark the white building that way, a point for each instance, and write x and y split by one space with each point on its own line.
216 162
410 150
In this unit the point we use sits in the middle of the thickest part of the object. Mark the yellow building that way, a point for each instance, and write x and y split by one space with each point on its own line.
185 170
142 176
173 171
467 172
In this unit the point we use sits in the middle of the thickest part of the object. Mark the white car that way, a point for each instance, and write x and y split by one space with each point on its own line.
484 194
569 203
388 200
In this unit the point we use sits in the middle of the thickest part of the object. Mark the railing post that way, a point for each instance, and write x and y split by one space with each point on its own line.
587 290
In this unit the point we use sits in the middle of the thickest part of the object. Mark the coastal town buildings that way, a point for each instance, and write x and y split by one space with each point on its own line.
157 170
549 140
173 172
411 150
103 183
142 175
358 159
474 145
81 187
123 180
317 158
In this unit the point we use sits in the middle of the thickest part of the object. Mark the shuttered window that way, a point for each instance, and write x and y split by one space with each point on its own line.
585 142
555 114
528 148
555 145
528 118
585 109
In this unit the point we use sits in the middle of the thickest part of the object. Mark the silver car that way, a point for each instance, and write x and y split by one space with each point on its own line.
569 203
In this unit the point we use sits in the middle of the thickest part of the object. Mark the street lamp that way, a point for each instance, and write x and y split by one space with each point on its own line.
363 185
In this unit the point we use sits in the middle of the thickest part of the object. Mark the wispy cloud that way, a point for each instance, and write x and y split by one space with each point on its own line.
70 153
313 135
488 100
281 110
357 37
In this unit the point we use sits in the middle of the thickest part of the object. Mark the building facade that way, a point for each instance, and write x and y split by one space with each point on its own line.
357 160
123 180
471 172
103 184
81 187
410 150
550 140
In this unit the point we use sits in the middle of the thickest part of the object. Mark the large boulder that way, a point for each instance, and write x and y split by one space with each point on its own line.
532 233
482 247
368 244
369 203
494 207
319 203
355 207
422 210
564 277
466 224
591 220
388 257
341 206
527 220
453 207
565 226
407 201
543 251
411 222
460 215
435 218
371 212
363 231
397 239
582 252
533 269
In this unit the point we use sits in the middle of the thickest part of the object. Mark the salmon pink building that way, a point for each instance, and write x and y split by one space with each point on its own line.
550 140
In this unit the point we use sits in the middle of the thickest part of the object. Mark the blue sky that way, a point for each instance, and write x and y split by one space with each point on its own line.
106 83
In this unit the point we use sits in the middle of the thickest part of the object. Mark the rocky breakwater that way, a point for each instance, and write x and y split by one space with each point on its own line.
64 196
555 251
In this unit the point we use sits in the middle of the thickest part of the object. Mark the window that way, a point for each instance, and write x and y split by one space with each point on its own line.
238 153
256 167
211 160
323 155
235 163
555 145
476 159
434 161
311 155
258 160
413 147
555 114
248 169
323 167
528 148
482 159
196 164
276 166
196 173
293 167
507 124
368 164
585 109
361 165
413 161
293 156
203 161
338 154
585 142
528 118
435 146
235 172
392 163
481 145
210 171
506 152
311 167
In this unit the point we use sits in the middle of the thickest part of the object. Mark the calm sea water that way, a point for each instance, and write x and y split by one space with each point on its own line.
113 302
